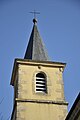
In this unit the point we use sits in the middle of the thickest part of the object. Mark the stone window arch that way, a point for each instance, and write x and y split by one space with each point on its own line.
41 83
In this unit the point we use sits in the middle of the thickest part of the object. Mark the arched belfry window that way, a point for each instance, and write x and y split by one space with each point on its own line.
41 85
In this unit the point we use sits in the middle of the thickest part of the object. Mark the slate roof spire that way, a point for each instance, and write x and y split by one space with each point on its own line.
35 49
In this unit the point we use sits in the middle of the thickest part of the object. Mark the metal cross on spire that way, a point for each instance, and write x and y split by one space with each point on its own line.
34 12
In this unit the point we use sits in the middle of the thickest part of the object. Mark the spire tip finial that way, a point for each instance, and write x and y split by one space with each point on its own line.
34 20
34 12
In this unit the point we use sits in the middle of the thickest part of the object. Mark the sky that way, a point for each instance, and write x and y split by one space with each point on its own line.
59 27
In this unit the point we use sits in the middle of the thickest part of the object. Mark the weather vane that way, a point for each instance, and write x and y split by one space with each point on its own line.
34 13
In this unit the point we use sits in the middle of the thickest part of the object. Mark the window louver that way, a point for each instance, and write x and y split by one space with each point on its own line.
41 83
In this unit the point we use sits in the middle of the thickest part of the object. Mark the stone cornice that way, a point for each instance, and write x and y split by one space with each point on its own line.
42 101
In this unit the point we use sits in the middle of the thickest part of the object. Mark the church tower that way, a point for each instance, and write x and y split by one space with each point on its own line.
38 84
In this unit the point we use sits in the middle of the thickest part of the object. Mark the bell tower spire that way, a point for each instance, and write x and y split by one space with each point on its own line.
38 84
36 49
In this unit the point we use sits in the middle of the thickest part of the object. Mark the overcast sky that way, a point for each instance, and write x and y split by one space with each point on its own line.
59 27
